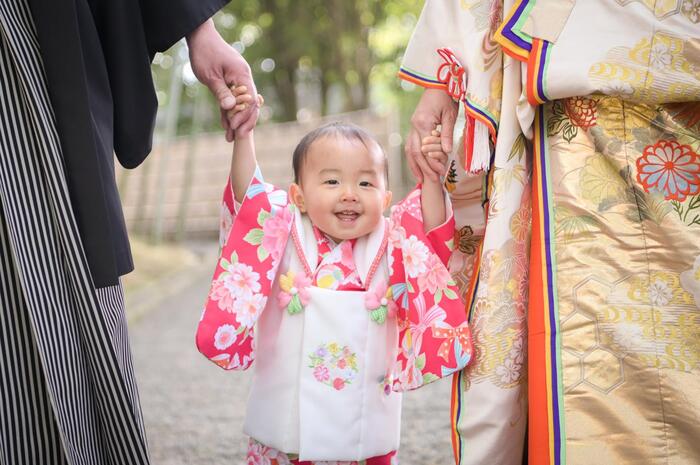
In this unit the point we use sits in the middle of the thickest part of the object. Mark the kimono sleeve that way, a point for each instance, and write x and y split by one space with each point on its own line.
256 235
167 21
434 336
452 48
446 34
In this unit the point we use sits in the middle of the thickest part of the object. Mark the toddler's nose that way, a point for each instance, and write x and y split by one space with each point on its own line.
349 195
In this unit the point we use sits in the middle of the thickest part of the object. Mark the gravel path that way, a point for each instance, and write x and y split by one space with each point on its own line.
194 410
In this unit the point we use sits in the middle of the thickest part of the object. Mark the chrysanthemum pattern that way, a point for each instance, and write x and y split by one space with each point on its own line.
671 168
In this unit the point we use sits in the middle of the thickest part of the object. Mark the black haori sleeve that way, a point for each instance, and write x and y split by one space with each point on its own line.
166 21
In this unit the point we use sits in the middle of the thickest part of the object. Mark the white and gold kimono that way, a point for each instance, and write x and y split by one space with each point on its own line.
576 197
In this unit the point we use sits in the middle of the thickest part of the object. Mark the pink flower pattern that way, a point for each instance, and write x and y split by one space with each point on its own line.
435 277
276 233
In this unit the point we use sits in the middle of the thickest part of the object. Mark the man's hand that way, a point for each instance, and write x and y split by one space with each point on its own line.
435 108
220 67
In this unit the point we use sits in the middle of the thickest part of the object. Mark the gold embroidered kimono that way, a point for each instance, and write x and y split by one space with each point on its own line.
577 198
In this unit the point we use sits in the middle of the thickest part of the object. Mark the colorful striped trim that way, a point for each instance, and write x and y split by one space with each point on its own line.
537 71
546 426
455 410
531 50
421 80
515 42
481 114
456 398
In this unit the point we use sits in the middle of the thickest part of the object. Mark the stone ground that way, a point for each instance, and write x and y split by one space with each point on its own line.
194 410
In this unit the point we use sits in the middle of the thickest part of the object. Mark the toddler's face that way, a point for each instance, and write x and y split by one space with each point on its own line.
342 187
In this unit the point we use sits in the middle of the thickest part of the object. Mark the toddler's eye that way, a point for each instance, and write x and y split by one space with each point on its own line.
332 182
365 184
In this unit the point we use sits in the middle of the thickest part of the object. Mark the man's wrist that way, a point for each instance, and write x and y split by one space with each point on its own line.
204 29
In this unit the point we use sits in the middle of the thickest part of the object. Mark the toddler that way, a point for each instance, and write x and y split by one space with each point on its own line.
341 308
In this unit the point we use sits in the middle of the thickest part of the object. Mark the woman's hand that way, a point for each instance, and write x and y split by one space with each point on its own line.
219 66
435 108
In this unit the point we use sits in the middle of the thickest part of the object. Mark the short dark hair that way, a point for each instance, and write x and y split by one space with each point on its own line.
336 128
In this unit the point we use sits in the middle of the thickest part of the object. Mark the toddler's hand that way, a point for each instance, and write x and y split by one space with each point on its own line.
431 148
243 102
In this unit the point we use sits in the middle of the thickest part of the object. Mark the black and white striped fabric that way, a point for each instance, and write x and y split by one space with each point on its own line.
67 389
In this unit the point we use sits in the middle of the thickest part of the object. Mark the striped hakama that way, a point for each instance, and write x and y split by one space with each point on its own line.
67 388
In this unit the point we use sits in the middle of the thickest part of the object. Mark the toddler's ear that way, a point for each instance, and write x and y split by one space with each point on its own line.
297 196
387 199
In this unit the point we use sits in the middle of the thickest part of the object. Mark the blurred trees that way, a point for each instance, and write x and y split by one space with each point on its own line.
309 57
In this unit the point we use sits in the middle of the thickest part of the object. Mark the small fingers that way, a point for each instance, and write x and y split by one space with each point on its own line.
433 147
431 140
247 124
437 162
238 90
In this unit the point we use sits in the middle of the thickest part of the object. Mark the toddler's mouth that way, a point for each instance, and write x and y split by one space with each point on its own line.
347 215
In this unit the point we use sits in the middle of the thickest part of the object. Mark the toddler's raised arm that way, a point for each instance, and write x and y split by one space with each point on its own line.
243 160
432 192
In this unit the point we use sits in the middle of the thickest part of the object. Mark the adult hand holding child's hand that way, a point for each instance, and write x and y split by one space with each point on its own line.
435 108
433 152
219 66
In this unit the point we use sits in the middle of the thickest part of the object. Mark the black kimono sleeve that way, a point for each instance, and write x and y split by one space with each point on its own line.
166 21
97 56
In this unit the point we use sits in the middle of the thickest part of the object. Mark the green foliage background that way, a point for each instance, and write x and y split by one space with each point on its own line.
309 58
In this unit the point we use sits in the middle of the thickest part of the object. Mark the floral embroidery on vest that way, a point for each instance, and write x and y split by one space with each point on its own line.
333 365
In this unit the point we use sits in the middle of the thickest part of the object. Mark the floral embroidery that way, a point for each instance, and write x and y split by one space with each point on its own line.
659 293
435 279
452 74
333 365
236 362
248 310
225 223
225 337
380 303
660 56
260 454
237 291
415 254
671 168
573 114
294 293
581 111
691 10
273 234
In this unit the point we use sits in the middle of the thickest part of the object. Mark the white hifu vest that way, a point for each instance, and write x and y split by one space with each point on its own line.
289 408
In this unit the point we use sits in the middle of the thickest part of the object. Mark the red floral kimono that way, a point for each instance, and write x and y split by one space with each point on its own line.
419 295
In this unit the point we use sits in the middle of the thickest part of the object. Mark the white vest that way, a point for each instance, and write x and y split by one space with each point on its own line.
350 415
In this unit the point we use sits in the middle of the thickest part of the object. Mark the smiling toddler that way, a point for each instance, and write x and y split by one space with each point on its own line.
341 308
